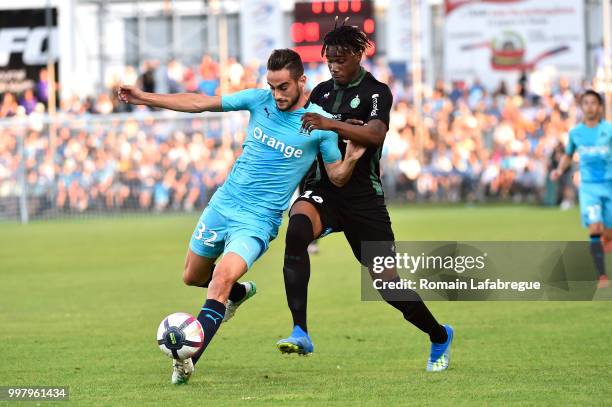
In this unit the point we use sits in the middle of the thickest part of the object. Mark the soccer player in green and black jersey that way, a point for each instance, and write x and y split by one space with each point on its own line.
360 106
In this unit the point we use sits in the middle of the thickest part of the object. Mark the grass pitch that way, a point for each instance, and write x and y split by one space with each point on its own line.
80 301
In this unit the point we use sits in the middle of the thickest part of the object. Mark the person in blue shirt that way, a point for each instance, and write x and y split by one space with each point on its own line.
244 215
592 140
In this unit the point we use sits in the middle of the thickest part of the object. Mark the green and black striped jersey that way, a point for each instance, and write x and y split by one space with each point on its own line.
364 99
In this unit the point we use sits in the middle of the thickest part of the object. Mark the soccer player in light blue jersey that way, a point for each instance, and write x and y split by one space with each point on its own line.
592 140
244 215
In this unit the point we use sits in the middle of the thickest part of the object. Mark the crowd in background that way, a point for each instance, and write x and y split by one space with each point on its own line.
481 145
477 144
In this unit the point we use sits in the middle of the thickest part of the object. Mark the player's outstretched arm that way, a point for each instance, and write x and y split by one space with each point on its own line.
565 162
371 135
340 172
181 102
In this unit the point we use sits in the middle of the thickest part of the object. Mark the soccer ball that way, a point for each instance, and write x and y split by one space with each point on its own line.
180 336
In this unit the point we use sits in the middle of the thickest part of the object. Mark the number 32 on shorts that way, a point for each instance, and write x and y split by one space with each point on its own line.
199 234
308 195
594 213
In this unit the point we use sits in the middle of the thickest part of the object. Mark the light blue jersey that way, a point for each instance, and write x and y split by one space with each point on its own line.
594 148
246 211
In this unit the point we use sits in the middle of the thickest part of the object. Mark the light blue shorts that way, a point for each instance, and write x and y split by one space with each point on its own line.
222 230
596 203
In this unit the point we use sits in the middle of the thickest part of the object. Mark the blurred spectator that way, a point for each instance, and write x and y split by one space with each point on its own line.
9 105
42 87
147 78
28 101
174 76
457 91
209 74
235 73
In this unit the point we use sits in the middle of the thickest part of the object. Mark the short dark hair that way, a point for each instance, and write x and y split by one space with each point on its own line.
286 59
592 93
346 37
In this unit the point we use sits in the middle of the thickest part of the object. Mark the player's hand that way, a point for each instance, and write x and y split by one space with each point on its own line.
131 94
355 122
354 151
555 174
314 121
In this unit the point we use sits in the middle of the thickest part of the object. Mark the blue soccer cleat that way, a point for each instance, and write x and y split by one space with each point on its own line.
439 357
299 342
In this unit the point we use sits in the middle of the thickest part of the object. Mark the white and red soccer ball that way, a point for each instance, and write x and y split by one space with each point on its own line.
180 336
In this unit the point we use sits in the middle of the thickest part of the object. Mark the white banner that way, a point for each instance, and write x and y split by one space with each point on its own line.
496 40
261 27
399 30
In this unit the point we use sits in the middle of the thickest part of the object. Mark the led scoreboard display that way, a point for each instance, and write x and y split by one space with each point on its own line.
312 20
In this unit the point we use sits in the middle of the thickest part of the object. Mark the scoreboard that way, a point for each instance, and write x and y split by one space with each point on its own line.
314 19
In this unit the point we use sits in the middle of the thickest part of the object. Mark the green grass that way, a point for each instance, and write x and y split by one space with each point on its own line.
80 301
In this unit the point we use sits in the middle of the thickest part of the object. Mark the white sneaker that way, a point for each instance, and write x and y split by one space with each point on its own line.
182 371
231 306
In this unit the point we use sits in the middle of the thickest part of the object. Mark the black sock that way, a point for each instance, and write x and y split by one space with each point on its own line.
419 315
416 312
237 293
210 317
296 269
597 252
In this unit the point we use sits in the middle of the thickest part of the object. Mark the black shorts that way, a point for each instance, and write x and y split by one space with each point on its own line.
360 219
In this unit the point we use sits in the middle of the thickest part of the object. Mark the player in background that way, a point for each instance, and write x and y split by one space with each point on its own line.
244 214
592 140
358 209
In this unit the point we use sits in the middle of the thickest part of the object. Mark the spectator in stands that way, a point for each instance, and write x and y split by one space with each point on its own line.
28 101
9 105
42 87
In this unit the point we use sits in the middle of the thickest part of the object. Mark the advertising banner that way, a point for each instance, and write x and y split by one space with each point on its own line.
496 40
25 45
